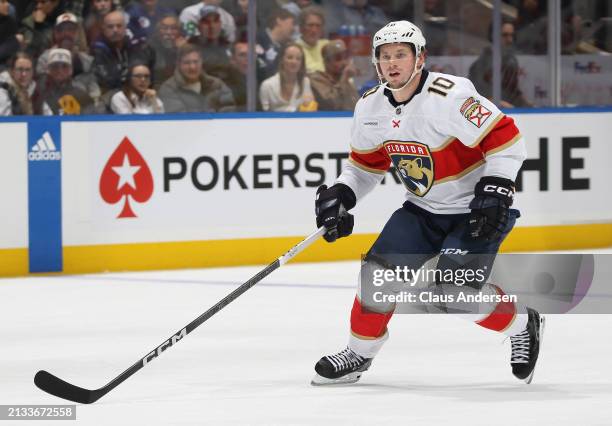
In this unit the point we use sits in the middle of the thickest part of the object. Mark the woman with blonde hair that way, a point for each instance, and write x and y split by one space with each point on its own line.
289 89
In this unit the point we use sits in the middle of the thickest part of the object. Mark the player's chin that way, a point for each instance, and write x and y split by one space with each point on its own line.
395 79
396 83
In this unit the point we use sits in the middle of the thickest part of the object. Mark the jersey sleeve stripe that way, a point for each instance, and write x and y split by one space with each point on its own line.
461 174
504 146
376 162
487 130
444 145
504 132
452 162
366 168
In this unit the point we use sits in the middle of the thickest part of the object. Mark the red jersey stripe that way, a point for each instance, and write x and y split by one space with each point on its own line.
454 159
501 134
376 161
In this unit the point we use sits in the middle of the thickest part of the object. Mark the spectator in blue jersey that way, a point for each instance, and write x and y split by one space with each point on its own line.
279 29
114 50
144 15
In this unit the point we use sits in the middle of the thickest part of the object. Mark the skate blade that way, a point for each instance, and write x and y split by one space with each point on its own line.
529 378
318 380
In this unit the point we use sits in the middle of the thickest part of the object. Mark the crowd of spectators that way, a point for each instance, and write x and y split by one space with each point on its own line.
154 56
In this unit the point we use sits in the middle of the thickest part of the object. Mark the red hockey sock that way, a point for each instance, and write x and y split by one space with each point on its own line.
368 324
502 316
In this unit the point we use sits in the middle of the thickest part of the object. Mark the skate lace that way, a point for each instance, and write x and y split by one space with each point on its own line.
520 348
345 359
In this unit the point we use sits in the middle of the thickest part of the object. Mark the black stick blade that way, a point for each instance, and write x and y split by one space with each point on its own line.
56 386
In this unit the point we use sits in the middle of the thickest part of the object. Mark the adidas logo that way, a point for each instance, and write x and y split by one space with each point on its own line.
44 149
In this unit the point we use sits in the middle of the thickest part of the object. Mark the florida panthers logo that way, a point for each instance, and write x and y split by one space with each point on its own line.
414 164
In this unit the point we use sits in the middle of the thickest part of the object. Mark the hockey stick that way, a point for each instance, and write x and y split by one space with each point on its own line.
58 387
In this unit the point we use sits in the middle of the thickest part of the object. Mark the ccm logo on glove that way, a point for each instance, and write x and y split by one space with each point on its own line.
509 192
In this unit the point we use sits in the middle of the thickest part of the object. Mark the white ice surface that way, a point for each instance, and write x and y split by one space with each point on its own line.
252 362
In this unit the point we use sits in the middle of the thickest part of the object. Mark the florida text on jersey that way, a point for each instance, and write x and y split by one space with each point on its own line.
440 142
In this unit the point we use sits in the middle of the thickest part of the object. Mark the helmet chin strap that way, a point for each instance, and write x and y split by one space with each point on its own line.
385 84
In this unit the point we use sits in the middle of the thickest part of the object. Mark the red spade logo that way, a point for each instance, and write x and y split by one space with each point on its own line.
126 174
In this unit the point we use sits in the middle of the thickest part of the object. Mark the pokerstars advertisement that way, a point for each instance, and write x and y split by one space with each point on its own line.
192 180
155 181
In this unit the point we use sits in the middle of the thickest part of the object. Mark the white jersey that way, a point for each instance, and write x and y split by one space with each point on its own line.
441 142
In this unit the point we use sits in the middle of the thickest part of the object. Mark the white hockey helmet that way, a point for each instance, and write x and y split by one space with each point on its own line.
398 32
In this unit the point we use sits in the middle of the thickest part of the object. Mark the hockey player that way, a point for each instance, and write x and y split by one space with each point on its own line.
458 156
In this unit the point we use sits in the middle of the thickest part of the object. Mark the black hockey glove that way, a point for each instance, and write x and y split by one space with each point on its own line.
331 207
492 200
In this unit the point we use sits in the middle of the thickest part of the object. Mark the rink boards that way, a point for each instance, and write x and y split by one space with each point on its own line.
125 193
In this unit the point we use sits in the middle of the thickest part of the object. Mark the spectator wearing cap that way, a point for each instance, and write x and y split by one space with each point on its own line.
19 94
166 41
191 89
65 35
212 41
289 89
137 96
144 15
37 29
334 88
279 29
190 16
94 20
114 50
9 43
312 24
59 94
